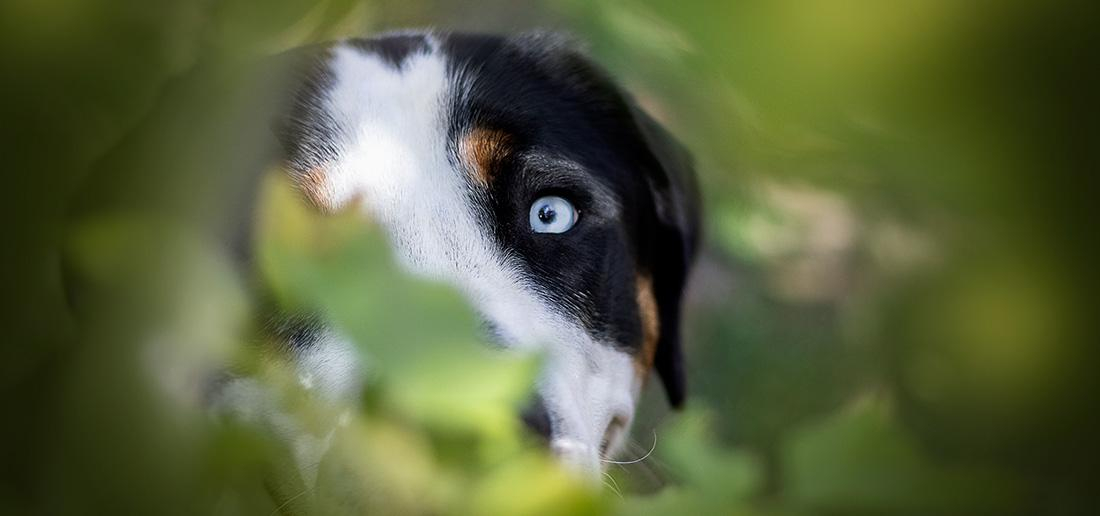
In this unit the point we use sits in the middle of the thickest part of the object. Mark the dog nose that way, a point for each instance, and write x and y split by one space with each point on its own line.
537 418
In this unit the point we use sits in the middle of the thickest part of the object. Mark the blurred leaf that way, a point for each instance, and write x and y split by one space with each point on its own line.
711 479
862 462
533 484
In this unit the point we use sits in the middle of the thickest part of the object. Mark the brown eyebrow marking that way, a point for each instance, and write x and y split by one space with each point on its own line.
484 150
314 186
651 325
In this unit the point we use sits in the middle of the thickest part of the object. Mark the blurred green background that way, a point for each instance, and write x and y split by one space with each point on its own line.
893 313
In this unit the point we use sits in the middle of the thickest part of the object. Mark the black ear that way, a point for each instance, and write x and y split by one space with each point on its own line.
676 203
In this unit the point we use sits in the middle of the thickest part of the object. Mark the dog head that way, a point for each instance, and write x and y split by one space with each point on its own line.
516 171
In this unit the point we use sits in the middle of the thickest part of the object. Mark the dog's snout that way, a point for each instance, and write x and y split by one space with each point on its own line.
615 427
537 418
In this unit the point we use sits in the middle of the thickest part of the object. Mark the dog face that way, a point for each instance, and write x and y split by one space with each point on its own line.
514 170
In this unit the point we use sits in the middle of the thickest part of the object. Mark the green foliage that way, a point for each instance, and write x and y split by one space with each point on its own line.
439 433
713 480
861 461
892 314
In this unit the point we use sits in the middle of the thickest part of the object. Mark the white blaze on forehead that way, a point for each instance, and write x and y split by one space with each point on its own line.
396 157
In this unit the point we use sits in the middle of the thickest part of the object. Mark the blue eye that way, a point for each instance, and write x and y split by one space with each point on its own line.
552 214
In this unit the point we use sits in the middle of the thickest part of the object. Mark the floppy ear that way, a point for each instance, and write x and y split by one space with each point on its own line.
676 199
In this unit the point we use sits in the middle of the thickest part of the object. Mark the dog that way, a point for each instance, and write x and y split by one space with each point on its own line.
513 169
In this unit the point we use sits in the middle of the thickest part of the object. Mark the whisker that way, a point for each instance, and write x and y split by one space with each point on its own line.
288 501
613 485
640 459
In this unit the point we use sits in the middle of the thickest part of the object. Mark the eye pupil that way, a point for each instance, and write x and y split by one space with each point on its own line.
552 214
547 214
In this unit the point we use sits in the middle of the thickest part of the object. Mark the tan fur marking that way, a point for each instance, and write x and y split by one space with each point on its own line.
314 186
651 325
484 150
